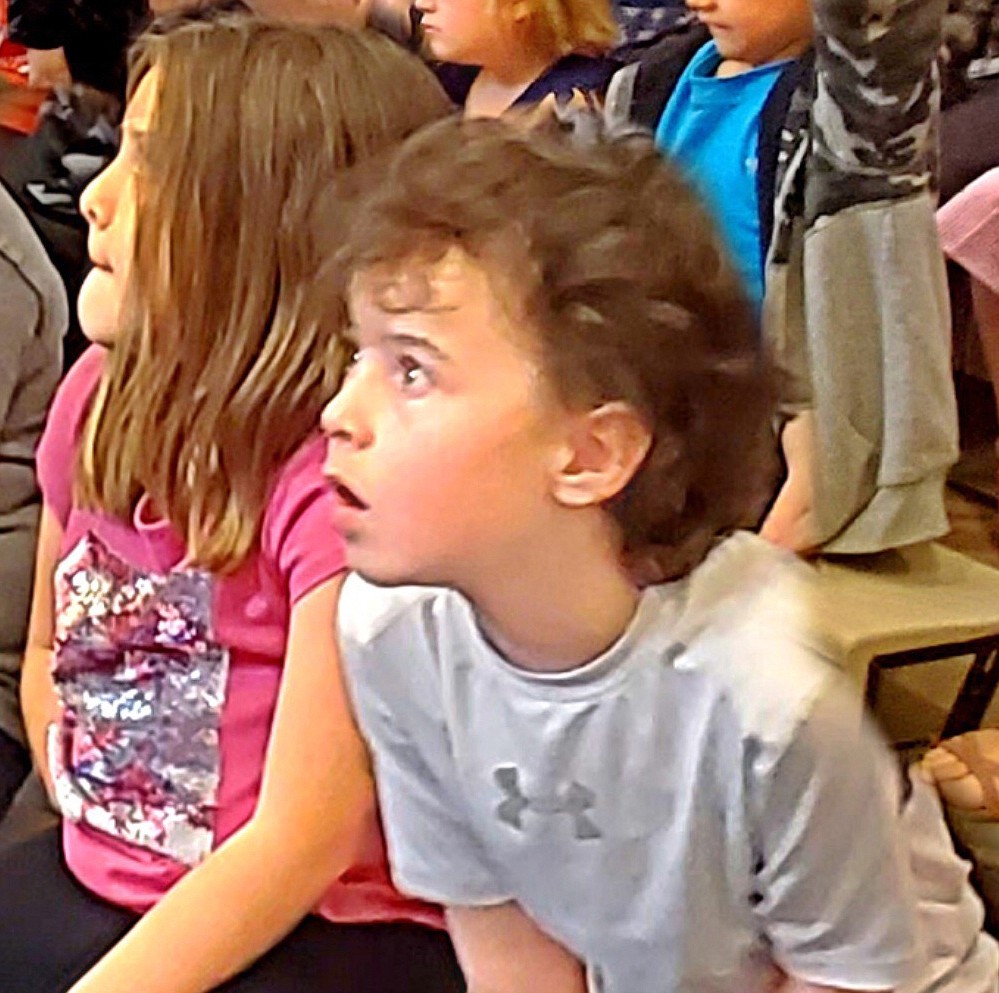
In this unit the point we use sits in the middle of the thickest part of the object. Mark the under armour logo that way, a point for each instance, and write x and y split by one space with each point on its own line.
575 800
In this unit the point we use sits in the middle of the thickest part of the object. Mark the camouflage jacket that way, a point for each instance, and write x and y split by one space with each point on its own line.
856 308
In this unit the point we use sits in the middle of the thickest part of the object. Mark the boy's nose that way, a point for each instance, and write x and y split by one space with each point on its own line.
342 420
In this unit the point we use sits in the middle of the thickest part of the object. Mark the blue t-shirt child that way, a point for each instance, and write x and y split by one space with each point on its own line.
711 127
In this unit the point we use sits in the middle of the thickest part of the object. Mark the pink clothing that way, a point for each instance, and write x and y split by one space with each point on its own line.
169 678
969 229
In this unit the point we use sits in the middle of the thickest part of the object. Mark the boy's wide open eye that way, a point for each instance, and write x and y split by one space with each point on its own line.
412 375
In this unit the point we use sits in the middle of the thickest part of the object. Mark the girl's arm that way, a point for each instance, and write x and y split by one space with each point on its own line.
39 703
316 802
502 950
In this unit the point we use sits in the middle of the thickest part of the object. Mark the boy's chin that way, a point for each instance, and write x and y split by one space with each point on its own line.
384 574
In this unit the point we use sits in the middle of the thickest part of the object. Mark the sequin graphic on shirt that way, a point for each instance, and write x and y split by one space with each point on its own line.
142 685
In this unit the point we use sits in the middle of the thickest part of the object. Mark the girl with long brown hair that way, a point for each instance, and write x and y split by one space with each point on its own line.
181 687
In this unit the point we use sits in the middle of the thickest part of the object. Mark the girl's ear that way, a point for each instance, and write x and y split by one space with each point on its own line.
604 449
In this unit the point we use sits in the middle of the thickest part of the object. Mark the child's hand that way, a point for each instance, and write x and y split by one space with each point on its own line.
791 521
564 111
48 69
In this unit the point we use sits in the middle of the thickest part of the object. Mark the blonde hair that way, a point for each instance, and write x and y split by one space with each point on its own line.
566 27
230 345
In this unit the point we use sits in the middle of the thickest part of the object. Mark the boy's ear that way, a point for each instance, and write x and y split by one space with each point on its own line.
604 450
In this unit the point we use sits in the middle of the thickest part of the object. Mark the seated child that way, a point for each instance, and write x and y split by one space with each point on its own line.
498 54
181 687
613 789
809 129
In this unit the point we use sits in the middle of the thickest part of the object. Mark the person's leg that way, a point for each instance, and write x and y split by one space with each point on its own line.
323 957
29 814
15 764
53 929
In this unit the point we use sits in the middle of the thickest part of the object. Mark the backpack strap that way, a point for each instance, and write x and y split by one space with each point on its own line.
656 68
772 123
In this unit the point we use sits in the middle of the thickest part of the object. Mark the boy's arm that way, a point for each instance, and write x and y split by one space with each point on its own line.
501 950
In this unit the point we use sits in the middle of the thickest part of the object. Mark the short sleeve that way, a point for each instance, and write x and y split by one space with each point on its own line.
836 897
297 532
434 851
969 229
56 454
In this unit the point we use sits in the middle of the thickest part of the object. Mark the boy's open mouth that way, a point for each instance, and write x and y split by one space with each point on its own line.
347 496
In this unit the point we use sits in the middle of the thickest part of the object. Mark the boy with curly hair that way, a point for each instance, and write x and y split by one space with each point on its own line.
626 790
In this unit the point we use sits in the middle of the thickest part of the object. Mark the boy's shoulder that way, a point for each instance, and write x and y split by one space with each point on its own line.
745 627
369 613
639 91
738 624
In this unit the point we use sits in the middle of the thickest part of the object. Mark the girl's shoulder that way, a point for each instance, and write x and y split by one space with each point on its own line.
73 394
297 533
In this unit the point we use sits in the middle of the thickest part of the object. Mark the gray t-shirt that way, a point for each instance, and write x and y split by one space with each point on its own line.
698 802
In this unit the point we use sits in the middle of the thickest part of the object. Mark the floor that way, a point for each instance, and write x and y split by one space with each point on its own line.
972 521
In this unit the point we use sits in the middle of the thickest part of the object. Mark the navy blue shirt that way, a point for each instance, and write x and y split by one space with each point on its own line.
573 72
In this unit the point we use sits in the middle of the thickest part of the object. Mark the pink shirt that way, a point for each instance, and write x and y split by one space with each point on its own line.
169 678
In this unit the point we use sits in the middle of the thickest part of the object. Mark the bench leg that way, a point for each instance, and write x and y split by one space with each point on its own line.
976 693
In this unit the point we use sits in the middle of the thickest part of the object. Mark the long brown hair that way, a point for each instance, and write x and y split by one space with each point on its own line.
229 348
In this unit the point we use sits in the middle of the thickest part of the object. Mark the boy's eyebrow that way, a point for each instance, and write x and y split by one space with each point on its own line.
417 341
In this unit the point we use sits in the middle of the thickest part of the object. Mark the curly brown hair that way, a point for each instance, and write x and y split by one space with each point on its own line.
620 275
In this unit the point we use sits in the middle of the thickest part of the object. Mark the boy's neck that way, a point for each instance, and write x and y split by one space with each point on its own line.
736 67
732 67
559 606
